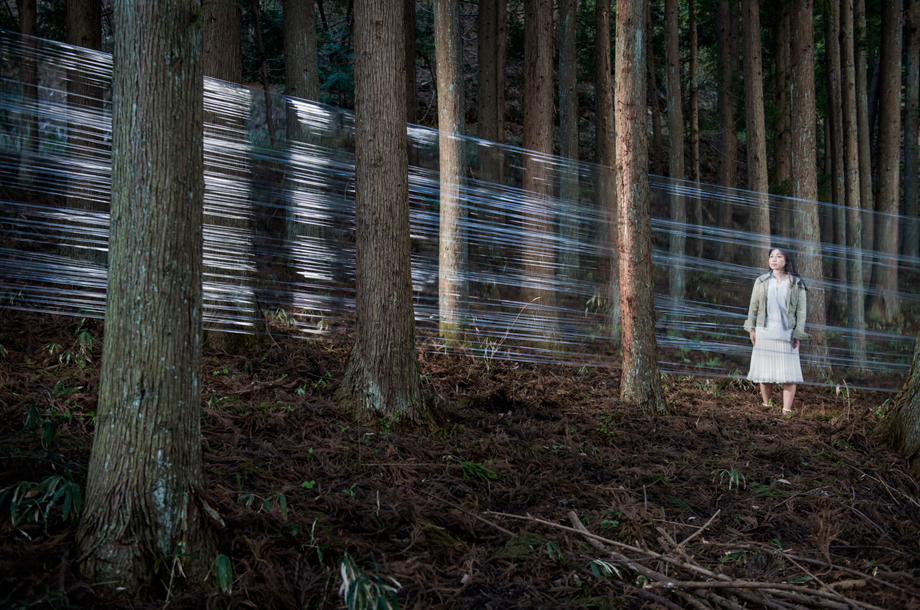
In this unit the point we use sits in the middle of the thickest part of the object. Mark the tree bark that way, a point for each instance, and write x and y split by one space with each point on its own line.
782 160
864 135
641 382
728 135
143 501
411 79
804 175
493 24
901 426
539 256
677 275
381 378
694 107
568 145
911 239
28 27
301 70
696 205
856 291
653 92
221 48
605 132
85 102
887 305
838 180
758 178
453 248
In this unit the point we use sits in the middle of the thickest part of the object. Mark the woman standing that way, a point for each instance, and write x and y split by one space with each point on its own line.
776 323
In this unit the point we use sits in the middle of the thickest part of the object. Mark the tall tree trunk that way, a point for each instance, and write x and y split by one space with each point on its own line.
912 132
901 426
605 132
694 105
804 174
411 79
539 256
755 126
493 27
653 92
143 502
641 382
493 24
677 275
887 305
28 27
782 160
301 70
696 205
838 181
301 80
728 135
85 138
453 286
568 130
221 47
856 291
381 378
864 135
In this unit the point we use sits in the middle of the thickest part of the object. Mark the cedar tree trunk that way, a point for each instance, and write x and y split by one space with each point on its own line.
382 378
143 501
641 382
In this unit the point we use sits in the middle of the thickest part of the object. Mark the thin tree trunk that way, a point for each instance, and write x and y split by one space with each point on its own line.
901 426
694 105
864 135
301 70
28 27
782 161
221 48
653 92
539 256
605 131
641 382
835 127
856 292
804 175
696 204
887 305
453 286
85 138
411 78
912 133
758 179
677 275
728 136
381 378
143 503
568 129
256 7
492 21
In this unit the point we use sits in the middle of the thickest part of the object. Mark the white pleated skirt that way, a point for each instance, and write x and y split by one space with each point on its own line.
774 361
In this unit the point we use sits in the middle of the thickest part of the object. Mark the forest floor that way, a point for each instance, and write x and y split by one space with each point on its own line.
720 504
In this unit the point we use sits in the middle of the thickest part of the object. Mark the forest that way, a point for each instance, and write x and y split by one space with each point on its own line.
448 304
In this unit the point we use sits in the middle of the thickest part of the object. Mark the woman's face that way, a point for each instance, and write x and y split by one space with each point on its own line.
777 260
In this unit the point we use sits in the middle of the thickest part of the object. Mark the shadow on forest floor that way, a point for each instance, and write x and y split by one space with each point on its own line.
810 504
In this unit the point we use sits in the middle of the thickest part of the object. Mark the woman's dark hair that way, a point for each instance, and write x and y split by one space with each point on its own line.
790 266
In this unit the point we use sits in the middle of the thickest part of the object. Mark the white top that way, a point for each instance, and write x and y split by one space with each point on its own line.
777 316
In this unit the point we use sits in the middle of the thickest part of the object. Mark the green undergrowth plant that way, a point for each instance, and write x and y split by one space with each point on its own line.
30 502
363 591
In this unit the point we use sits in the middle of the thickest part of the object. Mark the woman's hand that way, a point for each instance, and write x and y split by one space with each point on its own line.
753 338
795 344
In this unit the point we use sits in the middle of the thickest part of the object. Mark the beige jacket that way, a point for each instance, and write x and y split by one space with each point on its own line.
795 306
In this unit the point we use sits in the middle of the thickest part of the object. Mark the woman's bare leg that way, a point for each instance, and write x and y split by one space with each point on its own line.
788 396
766 391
